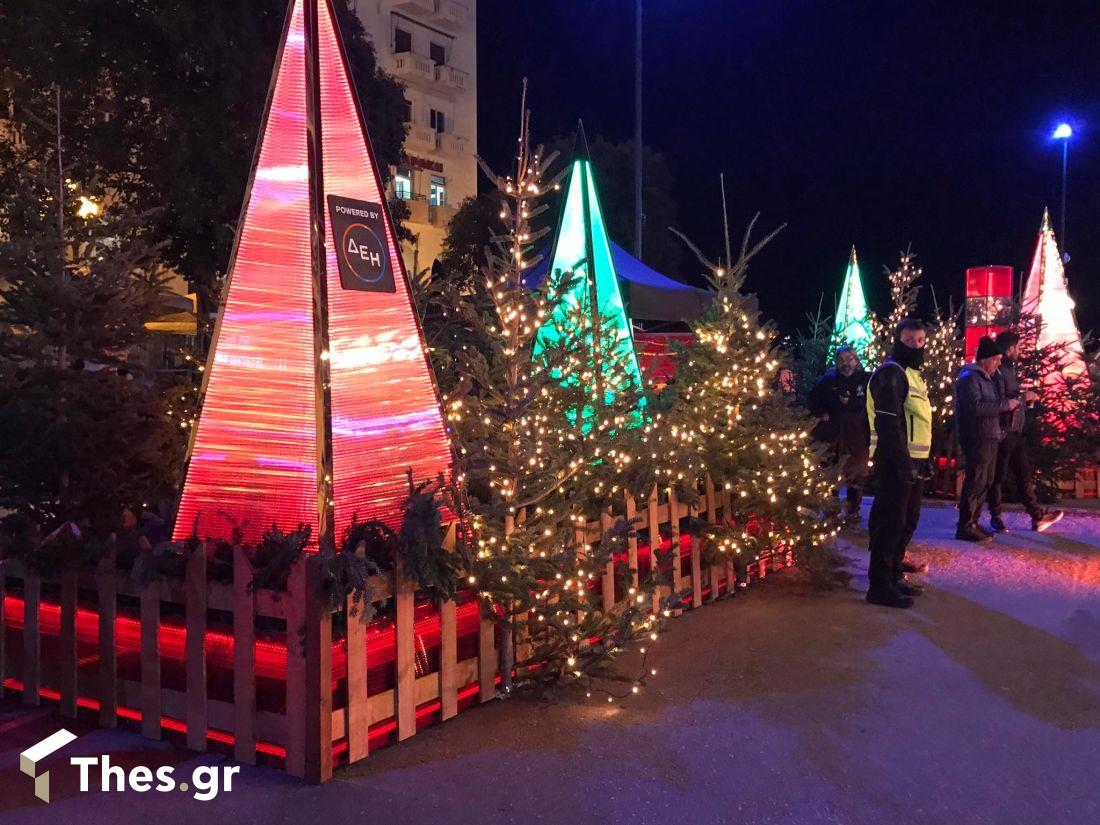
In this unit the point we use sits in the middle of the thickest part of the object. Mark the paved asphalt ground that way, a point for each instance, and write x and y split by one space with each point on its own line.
980 705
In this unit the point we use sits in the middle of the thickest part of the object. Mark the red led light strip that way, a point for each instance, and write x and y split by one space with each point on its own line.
377 731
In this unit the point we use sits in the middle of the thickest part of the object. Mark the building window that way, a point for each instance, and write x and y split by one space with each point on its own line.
438 121
407 110
438 53
403 184
402 41
438 193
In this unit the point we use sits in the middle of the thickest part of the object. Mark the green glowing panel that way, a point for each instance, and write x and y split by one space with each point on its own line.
853 322
582 236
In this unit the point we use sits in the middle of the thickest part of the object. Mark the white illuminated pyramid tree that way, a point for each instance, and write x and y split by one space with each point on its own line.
1046 298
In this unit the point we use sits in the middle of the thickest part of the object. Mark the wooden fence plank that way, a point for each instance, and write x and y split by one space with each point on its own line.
32 650
318 767
67 641
674 527
653 529
712 518
295 602
486 653
448 659
631 513
195 666
608 578
150 660
244 660
358 720
106 587
696 571
404 591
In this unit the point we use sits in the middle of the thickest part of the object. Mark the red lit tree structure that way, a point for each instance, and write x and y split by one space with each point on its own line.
318 397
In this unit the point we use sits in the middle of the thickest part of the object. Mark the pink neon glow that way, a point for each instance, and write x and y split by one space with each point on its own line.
255 454
255 451
386 416
1046 295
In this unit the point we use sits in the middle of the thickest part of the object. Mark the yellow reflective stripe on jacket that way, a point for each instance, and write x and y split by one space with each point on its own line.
918 416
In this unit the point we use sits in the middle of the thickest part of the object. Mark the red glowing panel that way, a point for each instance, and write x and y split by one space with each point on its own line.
254 458
386 416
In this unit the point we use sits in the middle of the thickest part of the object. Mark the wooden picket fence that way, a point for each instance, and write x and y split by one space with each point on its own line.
257 672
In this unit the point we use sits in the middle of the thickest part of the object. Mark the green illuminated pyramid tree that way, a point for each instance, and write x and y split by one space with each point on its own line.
583 272
853 321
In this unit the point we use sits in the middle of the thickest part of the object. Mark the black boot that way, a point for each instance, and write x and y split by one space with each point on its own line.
908 588
888 598
968 532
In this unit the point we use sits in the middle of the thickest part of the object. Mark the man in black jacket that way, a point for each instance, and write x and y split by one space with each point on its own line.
839 401
978 410
1012 454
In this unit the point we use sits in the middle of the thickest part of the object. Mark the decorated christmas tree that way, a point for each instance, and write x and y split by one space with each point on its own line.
853 319
729 416
319 399
1046 298
543 444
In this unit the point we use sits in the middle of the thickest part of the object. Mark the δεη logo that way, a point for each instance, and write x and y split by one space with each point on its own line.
205 781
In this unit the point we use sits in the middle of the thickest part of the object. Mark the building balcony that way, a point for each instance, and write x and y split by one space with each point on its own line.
421 137
451 15
422 7
423 212
413 66
452 78
451 144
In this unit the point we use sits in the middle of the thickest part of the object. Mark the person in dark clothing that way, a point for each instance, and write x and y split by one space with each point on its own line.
1012 455
978 410
839 401
900 415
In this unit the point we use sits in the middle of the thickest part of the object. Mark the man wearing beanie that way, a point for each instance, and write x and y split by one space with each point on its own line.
978 410
901 438
1012 455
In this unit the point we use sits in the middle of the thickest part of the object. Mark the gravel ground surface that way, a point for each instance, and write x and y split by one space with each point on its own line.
980 705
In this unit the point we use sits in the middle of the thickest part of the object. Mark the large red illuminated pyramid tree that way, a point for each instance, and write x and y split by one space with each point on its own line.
318 396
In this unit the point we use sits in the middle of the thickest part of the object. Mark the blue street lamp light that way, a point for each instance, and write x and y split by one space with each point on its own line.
1063 132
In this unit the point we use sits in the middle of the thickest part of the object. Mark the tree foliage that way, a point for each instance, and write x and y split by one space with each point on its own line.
168 98
84 434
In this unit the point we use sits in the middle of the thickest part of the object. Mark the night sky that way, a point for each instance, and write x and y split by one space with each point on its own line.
867 122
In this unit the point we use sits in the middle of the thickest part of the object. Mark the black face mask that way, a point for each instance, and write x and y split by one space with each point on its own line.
908 356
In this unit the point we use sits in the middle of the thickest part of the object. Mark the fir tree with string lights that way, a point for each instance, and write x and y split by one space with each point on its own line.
942 351
84 435
728 416
903 303
942 361
541 443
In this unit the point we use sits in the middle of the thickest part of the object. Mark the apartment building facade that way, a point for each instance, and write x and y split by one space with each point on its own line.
431 47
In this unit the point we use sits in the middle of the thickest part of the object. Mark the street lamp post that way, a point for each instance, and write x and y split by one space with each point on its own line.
638 215
1063 132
